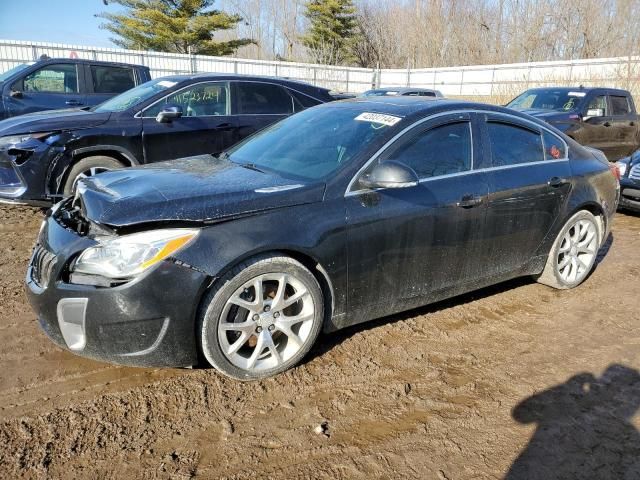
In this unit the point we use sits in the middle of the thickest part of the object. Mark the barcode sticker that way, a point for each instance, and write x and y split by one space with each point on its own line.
381 118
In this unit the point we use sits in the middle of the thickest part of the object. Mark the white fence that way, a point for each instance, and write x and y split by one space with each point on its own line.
471 81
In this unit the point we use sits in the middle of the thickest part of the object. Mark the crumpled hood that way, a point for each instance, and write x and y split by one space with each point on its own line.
199 189
52 120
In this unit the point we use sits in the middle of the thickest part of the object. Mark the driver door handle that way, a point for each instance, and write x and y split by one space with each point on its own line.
469 201
556 182
607 124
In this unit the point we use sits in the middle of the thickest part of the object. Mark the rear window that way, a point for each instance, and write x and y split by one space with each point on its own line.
112 79
619 105
263 98
512 145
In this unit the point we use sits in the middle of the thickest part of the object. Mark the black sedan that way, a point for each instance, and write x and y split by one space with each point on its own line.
629 168
42 155
337 215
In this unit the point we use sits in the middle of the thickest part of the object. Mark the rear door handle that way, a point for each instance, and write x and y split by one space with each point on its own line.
556 182
73 102
225 126
469 201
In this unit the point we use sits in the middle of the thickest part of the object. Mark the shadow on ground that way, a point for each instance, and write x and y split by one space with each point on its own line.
584 429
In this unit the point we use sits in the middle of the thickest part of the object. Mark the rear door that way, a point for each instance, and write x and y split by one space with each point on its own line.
410 242
50 87
106 81
528 172
259 104
206 125
623 126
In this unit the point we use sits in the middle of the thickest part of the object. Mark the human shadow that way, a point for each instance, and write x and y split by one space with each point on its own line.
584 429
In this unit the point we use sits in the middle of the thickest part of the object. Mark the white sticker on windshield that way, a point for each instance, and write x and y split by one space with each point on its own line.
577 94
388 120
391 93
166 83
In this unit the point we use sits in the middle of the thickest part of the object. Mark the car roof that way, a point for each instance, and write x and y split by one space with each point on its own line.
237 76
45 61
402 89
406 106
580 88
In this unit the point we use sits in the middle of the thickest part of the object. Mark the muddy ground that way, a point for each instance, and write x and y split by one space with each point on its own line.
517 381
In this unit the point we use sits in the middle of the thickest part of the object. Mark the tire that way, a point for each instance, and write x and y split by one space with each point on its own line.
573 253
88 167
234 323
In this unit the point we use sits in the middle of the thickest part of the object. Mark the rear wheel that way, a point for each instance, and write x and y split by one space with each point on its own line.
574 252
262 319
88 167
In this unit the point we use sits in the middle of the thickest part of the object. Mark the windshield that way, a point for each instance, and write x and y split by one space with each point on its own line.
379 93
134 96
562 100
11 71
312 144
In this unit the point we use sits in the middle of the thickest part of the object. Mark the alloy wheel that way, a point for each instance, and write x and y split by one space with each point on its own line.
266 321
578 250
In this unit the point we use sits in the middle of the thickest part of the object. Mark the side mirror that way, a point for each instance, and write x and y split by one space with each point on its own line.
594 112
15 94
390 174
169 113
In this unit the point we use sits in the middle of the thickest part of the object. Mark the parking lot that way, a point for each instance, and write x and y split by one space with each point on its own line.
426 394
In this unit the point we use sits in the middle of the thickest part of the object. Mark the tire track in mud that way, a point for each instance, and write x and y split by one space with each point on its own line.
424 394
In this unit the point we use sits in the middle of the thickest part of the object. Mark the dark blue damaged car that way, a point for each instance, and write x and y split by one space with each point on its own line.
340 214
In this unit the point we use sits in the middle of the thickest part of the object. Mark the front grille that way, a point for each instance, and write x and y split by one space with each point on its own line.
42 263
634 173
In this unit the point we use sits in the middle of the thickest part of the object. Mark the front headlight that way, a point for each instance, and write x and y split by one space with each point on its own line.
16 139
622 168
130 255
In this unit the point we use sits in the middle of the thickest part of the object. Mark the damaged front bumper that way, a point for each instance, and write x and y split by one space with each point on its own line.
148 321
24 172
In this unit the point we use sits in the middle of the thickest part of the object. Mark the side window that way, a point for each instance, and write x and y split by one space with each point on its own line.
301 101
427 94
111 79
619 105
598 103
203 99
554 148
437 151
263 98
60 78
513 145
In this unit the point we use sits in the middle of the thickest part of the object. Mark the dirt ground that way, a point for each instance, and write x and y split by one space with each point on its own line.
515 381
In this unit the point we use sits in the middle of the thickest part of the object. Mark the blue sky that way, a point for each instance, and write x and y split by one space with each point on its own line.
58 21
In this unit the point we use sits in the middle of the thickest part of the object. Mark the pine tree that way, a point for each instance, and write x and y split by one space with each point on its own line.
180 26
332 30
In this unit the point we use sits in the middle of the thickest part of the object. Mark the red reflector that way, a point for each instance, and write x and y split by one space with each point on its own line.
614 169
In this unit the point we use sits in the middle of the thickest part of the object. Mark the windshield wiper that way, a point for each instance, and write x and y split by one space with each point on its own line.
251 166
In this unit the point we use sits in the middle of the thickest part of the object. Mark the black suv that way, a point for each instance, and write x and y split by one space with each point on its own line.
42 155
55 83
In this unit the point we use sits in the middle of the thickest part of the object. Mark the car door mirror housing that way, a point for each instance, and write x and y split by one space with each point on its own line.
15 94
594 112
169 113
390 174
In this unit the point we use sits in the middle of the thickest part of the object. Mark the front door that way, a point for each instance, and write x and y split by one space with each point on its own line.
205 126
623 124
51 87
405 244
529 174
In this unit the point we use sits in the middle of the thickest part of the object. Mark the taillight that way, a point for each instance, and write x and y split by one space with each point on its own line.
614 169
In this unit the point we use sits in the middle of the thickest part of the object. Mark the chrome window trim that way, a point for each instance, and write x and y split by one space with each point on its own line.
376 155
228 82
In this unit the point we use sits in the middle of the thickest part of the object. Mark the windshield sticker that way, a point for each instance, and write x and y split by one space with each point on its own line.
166 83
576 94
391 93
381 118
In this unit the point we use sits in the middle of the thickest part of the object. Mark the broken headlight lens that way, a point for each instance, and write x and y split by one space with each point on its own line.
130 255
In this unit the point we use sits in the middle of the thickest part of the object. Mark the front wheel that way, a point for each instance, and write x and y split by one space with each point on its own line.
574 252
88 167
261 319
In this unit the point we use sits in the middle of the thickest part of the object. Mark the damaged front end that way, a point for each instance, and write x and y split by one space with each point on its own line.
26 166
